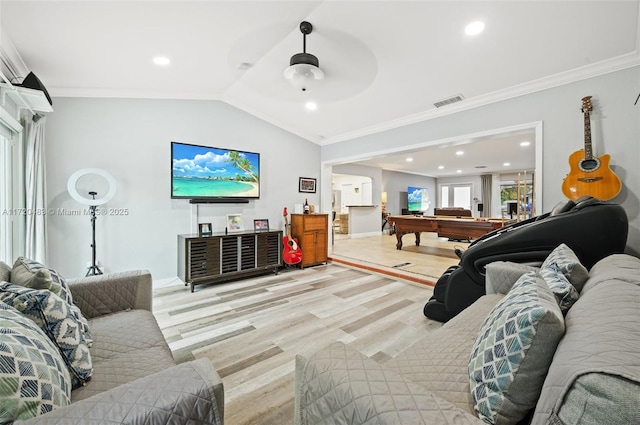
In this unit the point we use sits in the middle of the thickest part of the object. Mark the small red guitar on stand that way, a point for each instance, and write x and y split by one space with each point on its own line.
291 253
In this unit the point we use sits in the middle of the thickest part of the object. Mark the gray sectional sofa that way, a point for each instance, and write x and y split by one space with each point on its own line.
134 378
581 366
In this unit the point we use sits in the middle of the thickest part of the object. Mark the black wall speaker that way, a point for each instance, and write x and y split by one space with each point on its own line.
33 82
218 201
480 207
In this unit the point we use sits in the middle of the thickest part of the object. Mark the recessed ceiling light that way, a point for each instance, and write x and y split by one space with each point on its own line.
161 60
311 106
460 153
440 167
506 164
474 28
458 171
409 159
525 143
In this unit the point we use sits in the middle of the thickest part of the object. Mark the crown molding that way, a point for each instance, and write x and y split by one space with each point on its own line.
589 71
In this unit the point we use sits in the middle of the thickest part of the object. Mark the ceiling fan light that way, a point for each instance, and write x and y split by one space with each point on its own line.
303 76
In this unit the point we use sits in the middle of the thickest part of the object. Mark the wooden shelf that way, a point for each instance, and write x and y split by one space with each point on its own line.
311 230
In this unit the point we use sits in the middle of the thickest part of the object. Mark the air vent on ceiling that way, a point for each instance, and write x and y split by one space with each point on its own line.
453 99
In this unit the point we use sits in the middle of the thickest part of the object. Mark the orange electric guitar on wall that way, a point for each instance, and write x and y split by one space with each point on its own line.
291 253
590 175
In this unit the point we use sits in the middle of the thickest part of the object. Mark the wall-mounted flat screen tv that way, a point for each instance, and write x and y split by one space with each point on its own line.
204 172
418 198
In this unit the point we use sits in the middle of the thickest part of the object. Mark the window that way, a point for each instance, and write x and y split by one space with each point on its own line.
444 196
456 195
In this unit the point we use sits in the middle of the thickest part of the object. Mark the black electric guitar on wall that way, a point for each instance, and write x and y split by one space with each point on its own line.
590 175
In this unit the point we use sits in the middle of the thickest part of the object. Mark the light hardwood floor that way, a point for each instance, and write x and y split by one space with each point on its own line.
422 264
252 329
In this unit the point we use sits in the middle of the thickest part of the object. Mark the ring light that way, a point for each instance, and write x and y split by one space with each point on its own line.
73 191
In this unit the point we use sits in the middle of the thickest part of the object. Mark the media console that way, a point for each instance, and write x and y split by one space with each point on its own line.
222 257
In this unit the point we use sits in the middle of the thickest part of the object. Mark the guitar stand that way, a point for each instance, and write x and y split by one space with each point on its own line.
286 266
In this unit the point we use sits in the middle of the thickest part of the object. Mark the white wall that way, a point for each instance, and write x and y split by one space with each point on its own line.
130 138
615 130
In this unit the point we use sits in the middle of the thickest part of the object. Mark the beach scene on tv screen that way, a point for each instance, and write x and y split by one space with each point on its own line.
200 171
418 198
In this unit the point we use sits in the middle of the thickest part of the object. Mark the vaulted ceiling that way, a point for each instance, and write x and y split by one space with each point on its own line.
386 62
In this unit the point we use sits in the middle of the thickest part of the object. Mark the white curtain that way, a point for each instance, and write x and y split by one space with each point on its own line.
35 193
486 194
5 201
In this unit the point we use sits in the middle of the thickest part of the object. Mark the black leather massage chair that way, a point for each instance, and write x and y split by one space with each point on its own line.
591 228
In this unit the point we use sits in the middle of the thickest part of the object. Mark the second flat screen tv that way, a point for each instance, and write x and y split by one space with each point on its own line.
418 198
203 172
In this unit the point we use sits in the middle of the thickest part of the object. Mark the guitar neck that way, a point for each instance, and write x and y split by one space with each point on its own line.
588 151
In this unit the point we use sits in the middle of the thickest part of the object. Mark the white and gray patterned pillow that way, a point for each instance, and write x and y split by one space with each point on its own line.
566 294
33 376
568 263
53 315
32 274
512 353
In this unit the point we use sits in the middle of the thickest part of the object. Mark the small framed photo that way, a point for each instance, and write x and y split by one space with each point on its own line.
307 185
204 229
234 222
261 225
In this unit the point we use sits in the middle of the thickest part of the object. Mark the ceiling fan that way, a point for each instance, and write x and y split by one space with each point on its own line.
304 69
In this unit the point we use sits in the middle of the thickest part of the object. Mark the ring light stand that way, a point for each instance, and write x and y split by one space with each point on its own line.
93 204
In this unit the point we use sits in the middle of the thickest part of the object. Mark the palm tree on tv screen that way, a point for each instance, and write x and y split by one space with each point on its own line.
239 161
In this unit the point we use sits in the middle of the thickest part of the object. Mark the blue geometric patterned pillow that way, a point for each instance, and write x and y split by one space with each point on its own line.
565 292
32 274
33 376
54 317
514 348
568 263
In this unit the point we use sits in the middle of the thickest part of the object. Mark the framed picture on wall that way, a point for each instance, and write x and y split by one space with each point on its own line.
307 185
261 225
234 222
204 229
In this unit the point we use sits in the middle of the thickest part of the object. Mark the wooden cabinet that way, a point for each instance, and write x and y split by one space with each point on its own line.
222 257
311 230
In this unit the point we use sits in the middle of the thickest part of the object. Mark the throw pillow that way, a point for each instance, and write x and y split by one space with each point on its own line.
5 272
501 275
32 274
33 377
23 275
513 351
55 318
569 264
566 294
